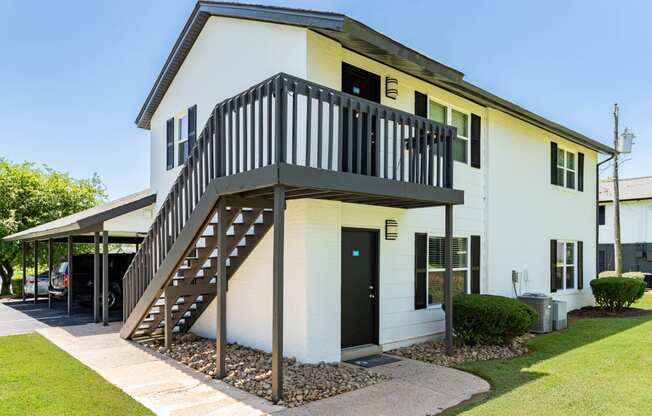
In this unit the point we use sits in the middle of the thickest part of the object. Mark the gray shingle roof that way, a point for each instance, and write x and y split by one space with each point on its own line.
357 37
629 189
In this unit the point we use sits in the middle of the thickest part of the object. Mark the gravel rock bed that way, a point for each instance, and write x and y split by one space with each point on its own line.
251 370
434 352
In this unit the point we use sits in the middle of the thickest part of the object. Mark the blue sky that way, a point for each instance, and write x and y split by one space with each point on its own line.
73 74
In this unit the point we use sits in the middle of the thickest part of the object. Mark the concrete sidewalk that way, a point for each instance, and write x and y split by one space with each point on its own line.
170 388
159 383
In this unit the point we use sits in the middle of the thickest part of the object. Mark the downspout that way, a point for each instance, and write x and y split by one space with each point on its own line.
597 208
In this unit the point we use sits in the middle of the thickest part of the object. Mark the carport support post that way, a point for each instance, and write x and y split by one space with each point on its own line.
105 278
96 278
35 271
277 294
448 278
49 272
24 267
70 274
222 227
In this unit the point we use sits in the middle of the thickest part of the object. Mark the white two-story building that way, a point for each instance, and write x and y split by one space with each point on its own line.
322 190
528 183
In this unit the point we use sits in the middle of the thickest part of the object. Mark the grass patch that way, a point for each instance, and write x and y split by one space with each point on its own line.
38 378
596 367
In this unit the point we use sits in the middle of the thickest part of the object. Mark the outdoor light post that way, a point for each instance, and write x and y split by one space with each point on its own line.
622 144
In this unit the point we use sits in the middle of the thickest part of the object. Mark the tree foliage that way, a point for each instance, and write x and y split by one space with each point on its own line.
32 195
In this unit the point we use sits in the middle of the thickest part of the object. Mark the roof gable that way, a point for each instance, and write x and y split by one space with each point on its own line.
352 35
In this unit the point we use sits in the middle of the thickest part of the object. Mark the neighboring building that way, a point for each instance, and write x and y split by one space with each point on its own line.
635 225
369 167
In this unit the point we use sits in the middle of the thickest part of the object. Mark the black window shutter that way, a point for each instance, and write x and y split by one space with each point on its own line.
475 264
420 269
580 171
420 104
553 265
169 143
553 163
580 265
602 215
475 141
192 127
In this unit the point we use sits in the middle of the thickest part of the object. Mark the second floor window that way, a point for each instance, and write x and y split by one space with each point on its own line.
566 170
446 115
182 139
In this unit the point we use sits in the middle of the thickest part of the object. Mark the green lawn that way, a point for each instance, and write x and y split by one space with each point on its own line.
599 366
37 378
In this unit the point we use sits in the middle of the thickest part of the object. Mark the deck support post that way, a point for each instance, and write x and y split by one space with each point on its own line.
70 274
277 296
35 271
105 278
96 278
49 272
448 277
222 227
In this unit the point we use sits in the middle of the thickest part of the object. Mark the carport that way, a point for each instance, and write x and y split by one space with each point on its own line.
122 221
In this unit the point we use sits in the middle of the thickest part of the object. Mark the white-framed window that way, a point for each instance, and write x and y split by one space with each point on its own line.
566 168
566 266
462 121
182 138
435 284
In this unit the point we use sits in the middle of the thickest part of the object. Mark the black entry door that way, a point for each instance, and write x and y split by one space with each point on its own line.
364 84
359 287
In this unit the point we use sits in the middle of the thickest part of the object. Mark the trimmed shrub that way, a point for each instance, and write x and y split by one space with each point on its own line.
490 319
631 275
17 287
616 293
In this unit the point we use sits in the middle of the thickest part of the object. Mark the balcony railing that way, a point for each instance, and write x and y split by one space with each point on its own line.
289 120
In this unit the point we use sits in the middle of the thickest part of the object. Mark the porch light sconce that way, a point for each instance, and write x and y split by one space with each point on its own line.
391 230
391 87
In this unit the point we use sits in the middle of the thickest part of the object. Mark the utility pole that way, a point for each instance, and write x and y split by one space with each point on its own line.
618 251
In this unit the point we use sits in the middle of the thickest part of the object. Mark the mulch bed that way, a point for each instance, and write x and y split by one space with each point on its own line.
597 312
434 352
250 369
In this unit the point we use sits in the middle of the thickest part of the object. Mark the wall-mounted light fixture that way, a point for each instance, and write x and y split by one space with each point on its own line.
391 229
391 87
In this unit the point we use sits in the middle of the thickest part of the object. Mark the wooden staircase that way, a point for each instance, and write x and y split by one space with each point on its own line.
284 134
193 287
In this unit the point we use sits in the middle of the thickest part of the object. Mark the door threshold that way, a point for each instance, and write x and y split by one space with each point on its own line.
359 351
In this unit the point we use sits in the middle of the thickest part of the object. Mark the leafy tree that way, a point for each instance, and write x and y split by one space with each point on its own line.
31 195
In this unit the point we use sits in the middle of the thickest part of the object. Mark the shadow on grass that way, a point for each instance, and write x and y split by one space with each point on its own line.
507 375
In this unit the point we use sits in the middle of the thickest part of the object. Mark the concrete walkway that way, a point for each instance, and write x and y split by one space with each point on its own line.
416 388
159 383
170 388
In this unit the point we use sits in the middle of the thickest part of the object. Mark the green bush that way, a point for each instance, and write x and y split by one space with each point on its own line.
490 319
17 287
616 293
631 275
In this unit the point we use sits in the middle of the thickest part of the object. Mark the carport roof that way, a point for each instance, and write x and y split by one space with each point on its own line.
88 220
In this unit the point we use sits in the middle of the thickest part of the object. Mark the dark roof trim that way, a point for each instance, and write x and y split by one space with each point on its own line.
89 220
357 37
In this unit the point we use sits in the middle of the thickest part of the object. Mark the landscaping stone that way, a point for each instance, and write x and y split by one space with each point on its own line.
433 352
251 370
